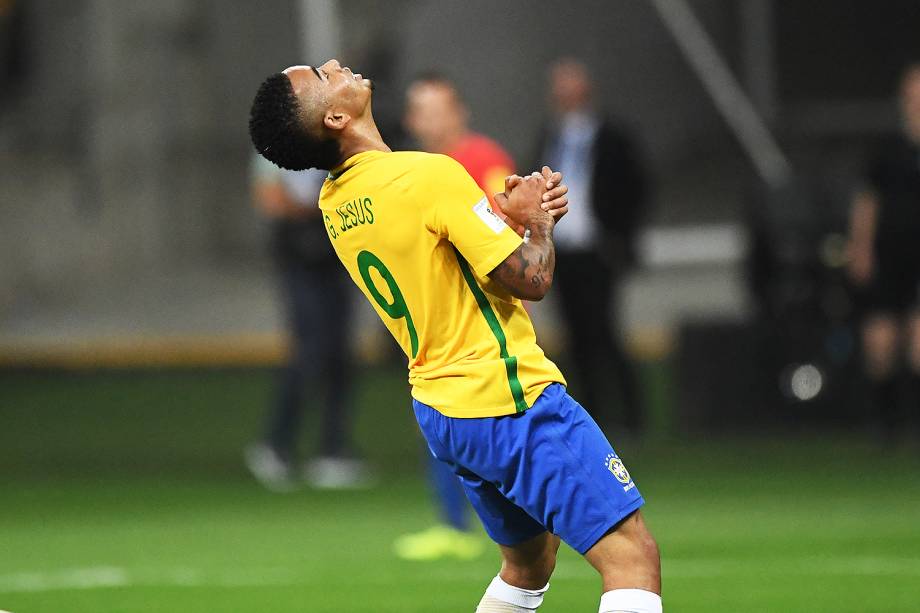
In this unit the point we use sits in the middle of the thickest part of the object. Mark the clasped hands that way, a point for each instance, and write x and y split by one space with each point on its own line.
539 197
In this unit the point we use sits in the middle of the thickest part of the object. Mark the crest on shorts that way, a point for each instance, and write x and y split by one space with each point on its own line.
616 467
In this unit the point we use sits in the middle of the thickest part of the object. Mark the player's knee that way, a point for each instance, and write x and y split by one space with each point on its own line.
642 548
648 547
627 556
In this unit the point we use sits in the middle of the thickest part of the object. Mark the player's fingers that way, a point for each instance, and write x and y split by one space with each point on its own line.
556 192
557 203
528 180
536 183
552 178
511 181
558 213
500 199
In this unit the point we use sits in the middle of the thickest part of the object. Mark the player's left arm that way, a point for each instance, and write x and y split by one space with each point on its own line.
480 237
528 272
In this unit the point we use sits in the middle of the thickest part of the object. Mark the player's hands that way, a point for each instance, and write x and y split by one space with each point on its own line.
522 199
555 201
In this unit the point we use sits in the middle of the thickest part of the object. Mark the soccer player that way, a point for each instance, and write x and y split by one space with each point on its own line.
446 276
438 119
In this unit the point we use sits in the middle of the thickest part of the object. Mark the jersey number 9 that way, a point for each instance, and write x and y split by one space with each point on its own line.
398 309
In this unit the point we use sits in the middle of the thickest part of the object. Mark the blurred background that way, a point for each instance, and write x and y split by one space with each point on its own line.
143 325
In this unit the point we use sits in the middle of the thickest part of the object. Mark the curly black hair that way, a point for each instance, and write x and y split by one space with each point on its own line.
278 132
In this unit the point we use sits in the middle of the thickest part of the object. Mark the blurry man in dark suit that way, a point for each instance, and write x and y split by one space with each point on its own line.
596 246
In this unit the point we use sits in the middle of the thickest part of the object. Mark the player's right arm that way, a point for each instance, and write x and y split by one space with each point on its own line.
528 272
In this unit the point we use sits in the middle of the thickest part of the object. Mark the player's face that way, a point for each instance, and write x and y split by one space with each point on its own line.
433 113
910 103
334 86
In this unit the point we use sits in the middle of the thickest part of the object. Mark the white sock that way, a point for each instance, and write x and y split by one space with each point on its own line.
503 598
630 601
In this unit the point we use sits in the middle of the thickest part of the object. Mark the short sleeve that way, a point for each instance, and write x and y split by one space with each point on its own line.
461 213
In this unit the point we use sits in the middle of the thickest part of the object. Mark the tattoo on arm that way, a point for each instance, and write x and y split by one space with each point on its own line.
528 272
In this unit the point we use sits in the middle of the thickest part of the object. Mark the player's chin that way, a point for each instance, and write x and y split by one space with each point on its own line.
368 84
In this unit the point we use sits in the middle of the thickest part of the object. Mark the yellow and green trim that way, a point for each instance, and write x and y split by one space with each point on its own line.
485 307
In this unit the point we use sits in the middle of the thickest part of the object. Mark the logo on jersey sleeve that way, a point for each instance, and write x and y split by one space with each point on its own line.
488 216
618 469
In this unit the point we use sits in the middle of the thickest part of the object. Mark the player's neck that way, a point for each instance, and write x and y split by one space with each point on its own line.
361 137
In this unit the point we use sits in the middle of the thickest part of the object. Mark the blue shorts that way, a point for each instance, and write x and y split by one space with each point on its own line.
548 468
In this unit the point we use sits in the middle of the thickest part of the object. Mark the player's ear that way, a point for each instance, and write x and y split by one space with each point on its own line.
335 120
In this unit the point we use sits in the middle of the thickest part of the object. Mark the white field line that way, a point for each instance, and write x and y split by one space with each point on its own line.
102 577
109 577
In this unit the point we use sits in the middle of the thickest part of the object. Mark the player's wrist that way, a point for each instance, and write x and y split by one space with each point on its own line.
539 225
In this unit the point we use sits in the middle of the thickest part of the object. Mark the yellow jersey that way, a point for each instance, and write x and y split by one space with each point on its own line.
419 238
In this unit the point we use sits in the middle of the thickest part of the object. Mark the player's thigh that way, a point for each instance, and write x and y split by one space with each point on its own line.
506 523
555 463
459 444
627 556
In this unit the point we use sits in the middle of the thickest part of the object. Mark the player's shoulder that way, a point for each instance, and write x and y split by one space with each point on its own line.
416 159
434 163
407 168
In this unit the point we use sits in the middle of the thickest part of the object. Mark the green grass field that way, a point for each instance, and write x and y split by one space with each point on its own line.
124 493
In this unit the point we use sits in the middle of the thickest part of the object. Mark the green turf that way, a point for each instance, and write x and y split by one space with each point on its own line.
124 493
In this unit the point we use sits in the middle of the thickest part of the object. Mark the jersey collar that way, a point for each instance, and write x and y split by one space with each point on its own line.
350 163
